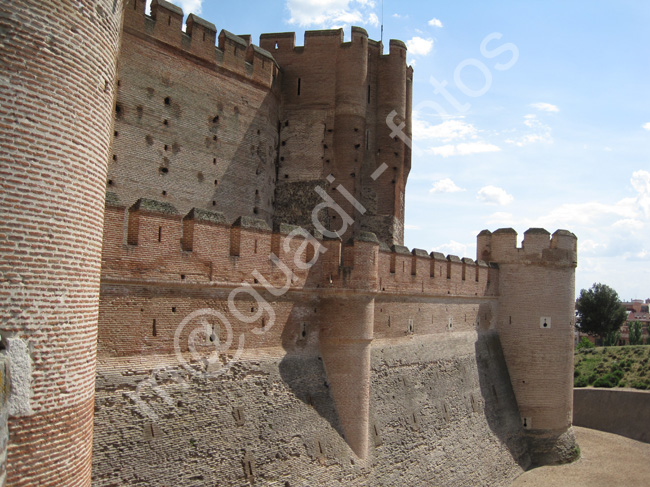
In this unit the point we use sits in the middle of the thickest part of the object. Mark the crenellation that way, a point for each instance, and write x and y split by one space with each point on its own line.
537 247
168 22
503 245
420 263
397 48
329 39
145 231
359 35
484 245
198 217
200 39
134 14
211 249
564 239
265 69
535 240
285 41
203 36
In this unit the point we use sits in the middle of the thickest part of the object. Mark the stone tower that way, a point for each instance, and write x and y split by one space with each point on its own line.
56 115
535 322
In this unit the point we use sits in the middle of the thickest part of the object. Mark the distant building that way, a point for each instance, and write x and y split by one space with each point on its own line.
637 310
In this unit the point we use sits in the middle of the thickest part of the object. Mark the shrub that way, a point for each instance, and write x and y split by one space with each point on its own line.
584 343
609 380
580 381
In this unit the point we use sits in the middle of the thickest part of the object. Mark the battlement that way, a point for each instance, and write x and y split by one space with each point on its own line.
538 247
200 40
284 43
152 241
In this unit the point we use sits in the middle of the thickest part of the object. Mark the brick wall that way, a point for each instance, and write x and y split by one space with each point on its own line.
56 104
196 124
335 100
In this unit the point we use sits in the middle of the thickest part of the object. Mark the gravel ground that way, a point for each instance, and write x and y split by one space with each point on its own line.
607 460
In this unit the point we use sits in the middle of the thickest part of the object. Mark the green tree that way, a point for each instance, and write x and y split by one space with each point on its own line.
600 312
635 333
612 338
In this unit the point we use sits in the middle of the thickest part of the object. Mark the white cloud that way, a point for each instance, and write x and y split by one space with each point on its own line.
538 132
461 138
590 246
545 107
331 13
448 130
530 115
625 219
493 195
453 248
445 186
463 149
412 227
585 214
435 23
501 218
418 46
188 6
641 183
628 224
646 126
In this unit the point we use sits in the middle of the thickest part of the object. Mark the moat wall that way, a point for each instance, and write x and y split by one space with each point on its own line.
442 413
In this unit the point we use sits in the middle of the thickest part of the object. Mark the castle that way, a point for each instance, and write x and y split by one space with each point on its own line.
204 280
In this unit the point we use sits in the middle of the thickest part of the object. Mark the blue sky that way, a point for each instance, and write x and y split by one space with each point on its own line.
545 121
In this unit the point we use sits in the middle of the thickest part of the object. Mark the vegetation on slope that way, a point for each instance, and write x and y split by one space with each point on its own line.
627 366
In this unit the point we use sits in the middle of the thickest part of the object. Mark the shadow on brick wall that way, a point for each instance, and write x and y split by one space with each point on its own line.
501 409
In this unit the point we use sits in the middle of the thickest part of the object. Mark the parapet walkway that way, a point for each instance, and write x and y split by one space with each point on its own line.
607 460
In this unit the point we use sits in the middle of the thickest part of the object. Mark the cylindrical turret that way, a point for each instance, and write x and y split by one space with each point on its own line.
536 325
56 116
350 120
392 112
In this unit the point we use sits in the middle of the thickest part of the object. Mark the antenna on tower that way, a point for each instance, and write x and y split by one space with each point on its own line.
382 21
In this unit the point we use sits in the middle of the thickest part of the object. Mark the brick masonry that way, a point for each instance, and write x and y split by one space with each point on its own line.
56 117
228 351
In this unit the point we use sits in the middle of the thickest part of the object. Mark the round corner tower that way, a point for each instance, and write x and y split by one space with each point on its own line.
56 117
535 323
